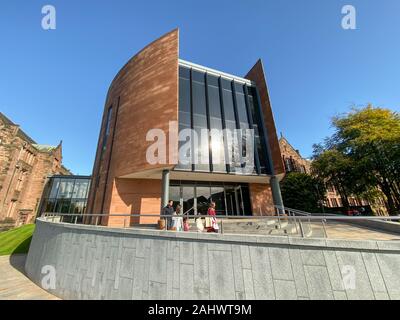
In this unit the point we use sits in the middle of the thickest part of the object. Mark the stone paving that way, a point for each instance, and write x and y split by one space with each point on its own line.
14 285
340 230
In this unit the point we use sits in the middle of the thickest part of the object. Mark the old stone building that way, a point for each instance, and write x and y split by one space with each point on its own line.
294 162
292 159
24 167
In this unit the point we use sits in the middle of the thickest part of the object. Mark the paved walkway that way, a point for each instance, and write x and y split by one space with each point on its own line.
340 230
14 285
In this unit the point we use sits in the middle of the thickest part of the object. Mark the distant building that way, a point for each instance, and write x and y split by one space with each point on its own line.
292 159
294 162
24 167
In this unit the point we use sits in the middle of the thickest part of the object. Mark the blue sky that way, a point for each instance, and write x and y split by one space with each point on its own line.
54 83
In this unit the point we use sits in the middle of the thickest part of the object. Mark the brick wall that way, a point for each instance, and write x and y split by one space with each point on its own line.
23 172
261 199
143 96
257 75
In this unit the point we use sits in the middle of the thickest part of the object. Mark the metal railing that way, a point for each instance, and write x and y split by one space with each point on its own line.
298 222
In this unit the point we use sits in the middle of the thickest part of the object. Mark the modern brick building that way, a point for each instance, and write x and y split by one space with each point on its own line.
156 88
24 167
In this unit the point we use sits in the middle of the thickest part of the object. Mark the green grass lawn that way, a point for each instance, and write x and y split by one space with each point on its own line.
16 240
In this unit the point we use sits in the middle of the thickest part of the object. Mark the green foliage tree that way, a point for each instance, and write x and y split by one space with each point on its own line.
363 154
302 192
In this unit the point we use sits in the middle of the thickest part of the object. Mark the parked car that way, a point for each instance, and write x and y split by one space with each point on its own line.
353 212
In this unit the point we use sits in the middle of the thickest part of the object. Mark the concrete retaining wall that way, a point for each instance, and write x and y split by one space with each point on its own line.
101 263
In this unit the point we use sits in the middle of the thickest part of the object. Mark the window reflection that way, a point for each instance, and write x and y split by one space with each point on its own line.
65 194
230 198
214 103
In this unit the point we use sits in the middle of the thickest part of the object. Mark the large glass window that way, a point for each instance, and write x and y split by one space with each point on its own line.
203 199
260 143
214 103
65 194
108 128
65 189
200 121
185 122
218 196
188 199
80 189
216 127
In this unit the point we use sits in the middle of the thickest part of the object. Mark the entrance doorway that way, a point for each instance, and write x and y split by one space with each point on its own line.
195 197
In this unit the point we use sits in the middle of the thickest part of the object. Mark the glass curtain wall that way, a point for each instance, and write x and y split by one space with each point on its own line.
214 103
67 194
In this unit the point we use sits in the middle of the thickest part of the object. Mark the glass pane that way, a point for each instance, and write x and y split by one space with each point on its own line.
184 116
184 73
259 137
246 200
175 195
65 190
218 196
217 142
188 199
184 97
49 207
203 199
201 151
54 188
80 189
62 206
77 206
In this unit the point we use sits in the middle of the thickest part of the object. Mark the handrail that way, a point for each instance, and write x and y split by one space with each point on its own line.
223 216
293 218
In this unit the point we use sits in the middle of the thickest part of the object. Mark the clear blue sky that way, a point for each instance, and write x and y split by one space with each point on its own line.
54 83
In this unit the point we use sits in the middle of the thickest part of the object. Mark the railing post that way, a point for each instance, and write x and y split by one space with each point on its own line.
301 229
323 227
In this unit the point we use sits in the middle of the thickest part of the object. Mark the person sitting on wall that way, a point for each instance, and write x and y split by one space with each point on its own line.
168 210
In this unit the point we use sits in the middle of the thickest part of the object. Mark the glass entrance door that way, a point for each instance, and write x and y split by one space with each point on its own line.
195 197
232 201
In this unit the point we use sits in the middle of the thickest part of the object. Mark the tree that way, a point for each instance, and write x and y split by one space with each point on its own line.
363 153
334 169
302 192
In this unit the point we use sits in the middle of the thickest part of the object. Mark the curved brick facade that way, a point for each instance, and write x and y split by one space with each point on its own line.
143 96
